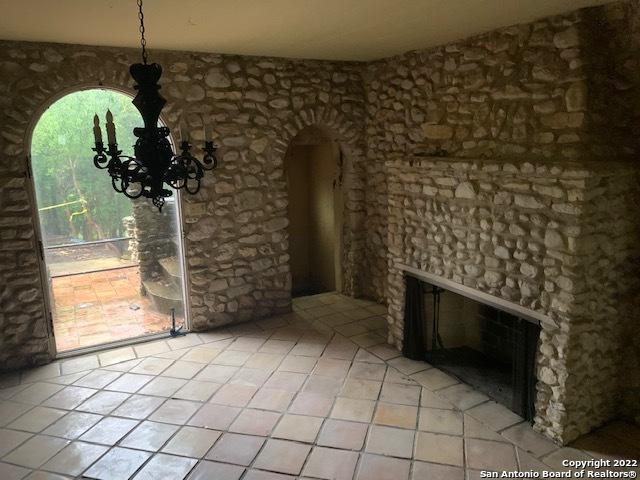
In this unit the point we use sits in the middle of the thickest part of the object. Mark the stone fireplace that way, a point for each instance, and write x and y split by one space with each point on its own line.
553 242
475 337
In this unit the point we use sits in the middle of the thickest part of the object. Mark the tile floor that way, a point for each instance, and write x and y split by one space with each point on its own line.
315 394
100 307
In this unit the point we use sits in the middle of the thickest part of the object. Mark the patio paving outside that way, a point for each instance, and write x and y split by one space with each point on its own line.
102 306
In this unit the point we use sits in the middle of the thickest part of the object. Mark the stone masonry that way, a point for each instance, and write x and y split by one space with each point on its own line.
561 88
555 238
235 228
549 107
558 89
155 235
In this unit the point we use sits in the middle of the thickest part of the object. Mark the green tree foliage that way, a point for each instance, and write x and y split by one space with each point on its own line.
62 162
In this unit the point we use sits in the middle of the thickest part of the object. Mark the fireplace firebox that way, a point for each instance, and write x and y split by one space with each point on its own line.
482 345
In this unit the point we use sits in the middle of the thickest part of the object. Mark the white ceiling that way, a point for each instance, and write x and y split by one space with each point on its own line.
322 29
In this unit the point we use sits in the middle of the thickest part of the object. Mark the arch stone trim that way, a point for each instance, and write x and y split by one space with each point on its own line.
349 138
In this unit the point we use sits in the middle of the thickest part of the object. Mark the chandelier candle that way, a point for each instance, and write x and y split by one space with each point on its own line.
154 166
97 133
111 129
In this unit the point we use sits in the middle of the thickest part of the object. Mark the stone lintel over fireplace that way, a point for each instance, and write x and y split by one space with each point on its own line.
557 241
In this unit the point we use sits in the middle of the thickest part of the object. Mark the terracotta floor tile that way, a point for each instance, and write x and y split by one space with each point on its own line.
138 406
395 442
400 394
216 417
271 399
440 421
282 456
97 379
298 427
109 431
175 411
234 395
75 458
192 442
103 402
314 404
13 472
129 383
423 470
197 391
330 464
342 434
255 422
376 467
351 409
35 451
361 389
166 467
37 419
263 385
389 414
288 381
163 386
323 385
236 448
73 425
10 439
118 463
488 455
219 471
150 436
435 448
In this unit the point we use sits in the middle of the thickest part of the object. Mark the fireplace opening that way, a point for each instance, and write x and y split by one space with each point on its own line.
486 347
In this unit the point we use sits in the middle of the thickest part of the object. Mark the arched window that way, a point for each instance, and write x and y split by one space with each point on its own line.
114 265
74 198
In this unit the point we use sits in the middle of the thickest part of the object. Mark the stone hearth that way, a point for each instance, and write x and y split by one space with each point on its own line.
554 239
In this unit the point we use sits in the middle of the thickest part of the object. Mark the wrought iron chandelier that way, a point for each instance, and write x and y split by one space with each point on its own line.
155 165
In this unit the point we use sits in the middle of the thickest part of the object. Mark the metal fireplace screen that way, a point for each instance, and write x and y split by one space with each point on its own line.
489 349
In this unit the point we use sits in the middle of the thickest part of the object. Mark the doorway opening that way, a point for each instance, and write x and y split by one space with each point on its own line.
113 266
313 166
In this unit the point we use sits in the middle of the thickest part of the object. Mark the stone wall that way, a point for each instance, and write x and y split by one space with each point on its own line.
562 88
557 90
156 235
555 238
616 77
236 227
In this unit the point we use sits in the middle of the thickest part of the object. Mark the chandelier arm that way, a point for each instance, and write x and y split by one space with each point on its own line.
100 158
194 191
195 176
123 184
126 182
209 158
100 161
132 197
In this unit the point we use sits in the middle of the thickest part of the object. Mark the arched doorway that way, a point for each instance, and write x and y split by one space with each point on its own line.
113 266
313 166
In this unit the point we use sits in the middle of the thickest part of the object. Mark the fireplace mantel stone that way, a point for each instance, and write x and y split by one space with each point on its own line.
556 239
477 295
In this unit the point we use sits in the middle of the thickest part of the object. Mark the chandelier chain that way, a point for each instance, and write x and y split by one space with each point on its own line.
155 169
143 41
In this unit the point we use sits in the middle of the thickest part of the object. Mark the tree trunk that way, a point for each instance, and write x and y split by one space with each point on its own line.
99 234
